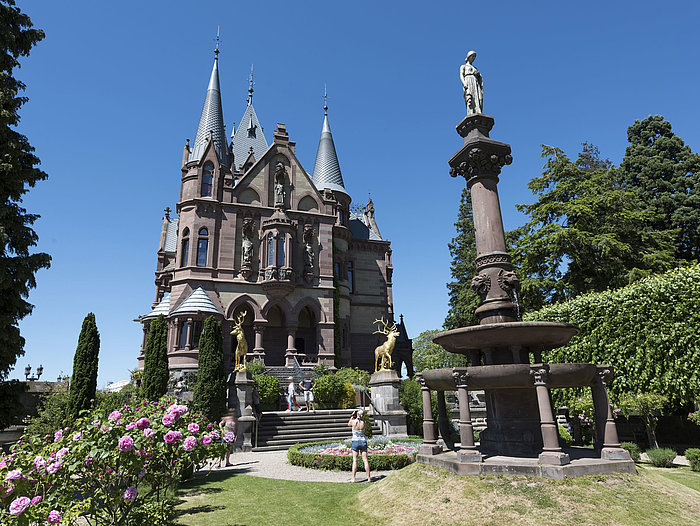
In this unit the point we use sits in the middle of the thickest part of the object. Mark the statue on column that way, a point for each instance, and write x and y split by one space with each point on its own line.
241 343
279 184
473 85
248 240
309 245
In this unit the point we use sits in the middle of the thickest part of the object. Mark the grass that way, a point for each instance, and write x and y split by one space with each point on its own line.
428 496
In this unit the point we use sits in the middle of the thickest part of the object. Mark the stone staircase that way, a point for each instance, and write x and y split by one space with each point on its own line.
280 429
283 373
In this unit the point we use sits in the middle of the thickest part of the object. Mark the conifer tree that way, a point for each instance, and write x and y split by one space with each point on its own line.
666 173
84 379
155 360
18 172
463 301
210 389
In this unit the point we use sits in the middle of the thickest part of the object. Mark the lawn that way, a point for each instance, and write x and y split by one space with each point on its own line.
427 496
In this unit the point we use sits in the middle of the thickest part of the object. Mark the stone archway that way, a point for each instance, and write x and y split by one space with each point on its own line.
306 335
275 337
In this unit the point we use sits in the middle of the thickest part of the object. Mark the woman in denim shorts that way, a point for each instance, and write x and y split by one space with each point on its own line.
359 442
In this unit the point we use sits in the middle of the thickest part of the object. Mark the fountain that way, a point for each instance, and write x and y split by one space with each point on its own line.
505 353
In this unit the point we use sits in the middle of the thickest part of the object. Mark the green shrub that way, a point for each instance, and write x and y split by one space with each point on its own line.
633 450
321 370
344 462
411 400
693 456
256 367
661 457
354 375
476 436
331 392
565 435
368 425
268 390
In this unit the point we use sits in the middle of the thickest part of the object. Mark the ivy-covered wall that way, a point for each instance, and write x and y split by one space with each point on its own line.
648 331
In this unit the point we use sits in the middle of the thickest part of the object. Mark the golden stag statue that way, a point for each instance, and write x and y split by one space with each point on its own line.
242 346
384 350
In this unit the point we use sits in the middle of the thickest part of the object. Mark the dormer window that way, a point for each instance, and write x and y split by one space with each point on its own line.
207 178
202 245
251 128
185 252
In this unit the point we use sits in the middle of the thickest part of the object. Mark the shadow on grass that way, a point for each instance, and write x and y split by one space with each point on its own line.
197 509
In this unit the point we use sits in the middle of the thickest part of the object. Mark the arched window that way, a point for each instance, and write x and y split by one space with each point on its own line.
185 252
351 277
280 251
183 335
270 250
207 178
202 244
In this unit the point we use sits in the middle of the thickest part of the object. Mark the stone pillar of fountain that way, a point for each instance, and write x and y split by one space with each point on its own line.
611 449
551 450
429 445
467 449
480 161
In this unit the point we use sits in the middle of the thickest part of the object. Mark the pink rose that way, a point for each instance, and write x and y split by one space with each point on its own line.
215 434
143 423
193 428
77 436
53 468
130 426
126 443
61 452
170 437
229 437
189 443
114 415
39 463
19 505
206 440
130 493
14 474
57 435
168 419
36 500
54 517
89 461
149 433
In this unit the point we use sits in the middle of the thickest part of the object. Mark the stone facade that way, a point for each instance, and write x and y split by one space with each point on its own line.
260 239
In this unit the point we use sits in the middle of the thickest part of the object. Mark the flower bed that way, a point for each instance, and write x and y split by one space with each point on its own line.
382 453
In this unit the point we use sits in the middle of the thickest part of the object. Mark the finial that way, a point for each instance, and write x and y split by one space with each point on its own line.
167 212
250 86
325 100
216 49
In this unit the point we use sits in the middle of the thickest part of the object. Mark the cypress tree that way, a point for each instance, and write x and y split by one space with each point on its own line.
84 380
155 360
210 389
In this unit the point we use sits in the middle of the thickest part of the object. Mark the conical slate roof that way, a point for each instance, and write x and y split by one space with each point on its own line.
327 169
249 134
198 301
162 308
211 122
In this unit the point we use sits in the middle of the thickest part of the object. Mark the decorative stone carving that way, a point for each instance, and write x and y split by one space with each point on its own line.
479 161
473 85
270 274
461 378
286 273
490 260
539 375
481 283
248 240
279 184
308 237
508 281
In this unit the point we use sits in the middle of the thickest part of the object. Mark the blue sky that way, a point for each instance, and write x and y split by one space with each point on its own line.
116 88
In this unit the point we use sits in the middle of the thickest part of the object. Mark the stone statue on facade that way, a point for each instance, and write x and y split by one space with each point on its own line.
279 184
309 245
473 85
248 241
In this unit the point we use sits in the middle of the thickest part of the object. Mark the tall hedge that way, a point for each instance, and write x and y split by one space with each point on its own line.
648 331
155 360
84 379
209 395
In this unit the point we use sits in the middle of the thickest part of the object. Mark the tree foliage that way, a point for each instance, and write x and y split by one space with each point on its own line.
209 395
155 360
463 301
586 232
429 355
646 331
666 174
648 407
83 383
18 172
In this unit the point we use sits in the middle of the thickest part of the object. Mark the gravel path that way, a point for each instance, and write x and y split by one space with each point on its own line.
273 465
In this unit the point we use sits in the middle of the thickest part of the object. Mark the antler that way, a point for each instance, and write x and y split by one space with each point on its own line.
239 319
385 329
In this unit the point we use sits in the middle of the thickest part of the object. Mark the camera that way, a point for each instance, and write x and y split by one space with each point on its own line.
354 414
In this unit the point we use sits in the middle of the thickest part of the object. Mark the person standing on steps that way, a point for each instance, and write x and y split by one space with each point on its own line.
291 399
359 442
308 384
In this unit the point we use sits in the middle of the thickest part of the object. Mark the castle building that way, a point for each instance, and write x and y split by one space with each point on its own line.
259 243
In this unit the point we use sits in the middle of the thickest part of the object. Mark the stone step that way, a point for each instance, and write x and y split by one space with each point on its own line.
310 430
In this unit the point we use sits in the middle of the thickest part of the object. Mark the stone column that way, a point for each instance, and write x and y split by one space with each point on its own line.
188 345
429 446
258 350
444 424
467 449
552 452
241 403
388 412
291 351
611 449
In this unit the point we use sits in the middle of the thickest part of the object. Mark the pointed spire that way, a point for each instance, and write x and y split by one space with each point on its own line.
250 86
211 122
249 133
327 168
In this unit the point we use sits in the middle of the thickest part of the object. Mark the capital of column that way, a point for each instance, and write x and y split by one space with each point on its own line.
604 374
461 377
421 381
539 373
259 327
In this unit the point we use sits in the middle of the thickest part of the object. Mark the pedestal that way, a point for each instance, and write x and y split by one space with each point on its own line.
240 400
388 412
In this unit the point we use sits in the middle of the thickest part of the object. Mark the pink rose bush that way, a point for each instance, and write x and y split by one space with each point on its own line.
117 473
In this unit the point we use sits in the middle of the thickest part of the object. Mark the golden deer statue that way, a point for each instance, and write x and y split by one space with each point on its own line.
384 350
242 346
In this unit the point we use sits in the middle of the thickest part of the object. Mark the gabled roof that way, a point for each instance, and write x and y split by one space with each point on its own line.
360 229
198 301
211 122
171 236
248 135
327 169
162 308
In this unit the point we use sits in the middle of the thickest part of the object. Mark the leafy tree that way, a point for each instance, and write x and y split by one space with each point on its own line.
155 360
666 173
84 380
210 390
586 233
18 172
429 355
463 301
52 412
648 407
